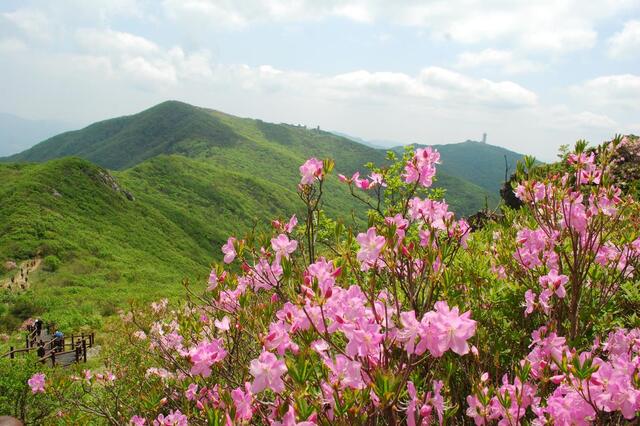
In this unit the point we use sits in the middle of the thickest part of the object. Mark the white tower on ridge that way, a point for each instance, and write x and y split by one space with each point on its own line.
484 138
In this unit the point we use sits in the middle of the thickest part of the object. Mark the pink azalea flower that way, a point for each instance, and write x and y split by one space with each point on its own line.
544 298
293 221
243 401
266 276
410 332
283 247
36 383
229 250
370 247
213 280
554 282
289 419
421 168
137 421
530 300
222 324
191 392
174 418
324 273
452 329
377 179
346 373
364 341
267 371
204 355
310 170
278 338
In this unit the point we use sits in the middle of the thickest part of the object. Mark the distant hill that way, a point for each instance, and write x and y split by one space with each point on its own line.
18 134
254 147
477 162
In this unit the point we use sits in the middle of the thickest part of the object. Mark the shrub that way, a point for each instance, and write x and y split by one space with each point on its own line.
51 263
401 322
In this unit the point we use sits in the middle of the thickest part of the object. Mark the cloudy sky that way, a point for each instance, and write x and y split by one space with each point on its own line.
532 74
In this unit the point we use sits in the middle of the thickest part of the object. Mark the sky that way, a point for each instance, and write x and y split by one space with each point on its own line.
533 75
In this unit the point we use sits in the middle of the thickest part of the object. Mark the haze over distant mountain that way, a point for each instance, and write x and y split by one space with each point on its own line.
18 134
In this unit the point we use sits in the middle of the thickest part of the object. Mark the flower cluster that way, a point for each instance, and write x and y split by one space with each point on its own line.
315 323
586 385
421 168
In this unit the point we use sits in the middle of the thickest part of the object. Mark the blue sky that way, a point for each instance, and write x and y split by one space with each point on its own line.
533 75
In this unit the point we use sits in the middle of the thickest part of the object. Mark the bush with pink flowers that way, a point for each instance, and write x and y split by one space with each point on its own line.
412 320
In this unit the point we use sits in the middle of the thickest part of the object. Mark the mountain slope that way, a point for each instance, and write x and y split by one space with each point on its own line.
177 128
132 235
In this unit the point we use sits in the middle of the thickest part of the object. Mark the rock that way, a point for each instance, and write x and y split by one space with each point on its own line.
10 265
55 193
9 421
129 195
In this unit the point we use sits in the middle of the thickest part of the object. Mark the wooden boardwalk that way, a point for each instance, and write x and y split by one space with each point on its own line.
61 352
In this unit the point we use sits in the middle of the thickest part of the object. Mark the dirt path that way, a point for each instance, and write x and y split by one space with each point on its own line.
20 281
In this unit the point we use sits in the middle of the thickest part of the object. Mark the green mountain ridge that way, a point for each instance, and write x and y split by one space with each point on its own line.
254 147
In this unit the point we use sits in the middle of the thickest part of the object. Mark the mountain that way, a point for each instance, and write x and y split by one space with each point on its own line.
177 128
270 151
18 134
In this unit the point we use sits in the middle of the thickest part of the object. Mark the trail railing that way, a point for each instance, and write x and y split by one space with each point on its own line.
59 351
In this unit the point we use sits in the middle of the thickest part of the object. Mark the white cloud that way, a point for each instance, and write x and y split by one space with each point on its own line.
107 40
31 22
626 43
125 55
433 86
502 60
480 91
562 116
546 25
11 45
622 90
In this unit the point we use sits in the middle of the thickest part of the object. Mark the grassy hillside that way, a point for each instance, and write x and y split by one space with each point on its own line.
132 236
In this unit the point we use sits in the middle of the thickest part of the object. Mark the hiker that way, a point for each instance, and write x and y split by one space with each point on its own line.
41 351
78 349
58 338
38 325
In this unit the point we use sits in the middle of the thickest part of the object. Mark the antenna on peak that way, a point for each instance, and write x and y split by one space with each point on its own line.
484 138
